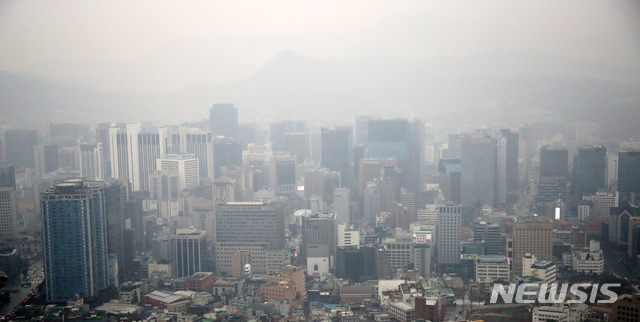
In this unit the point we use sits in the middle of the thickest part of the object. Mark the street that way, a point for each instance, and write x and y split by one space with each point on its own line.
34 277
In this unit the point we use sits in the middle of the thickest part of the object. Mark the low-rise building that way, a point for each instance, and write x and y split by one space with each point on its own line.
130 293
402 311
170 301
200 282
568 313
588 261
491 268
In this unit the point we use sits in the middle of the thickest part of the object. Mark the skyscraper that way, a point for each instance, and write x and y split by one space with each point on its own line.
226 152
46 159
75 239
298 144
489 234
589 170
507 163
449 234
223 120
91 161
335 146
478 170
19 146
629 175
133 154
342 206
553 183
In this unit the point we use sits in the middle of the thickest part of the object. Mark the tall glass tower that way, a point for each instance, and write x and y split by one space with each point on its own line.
75 239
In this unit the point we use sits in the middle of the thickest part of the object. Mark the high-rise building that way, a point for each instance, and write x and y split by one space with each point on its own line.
75 240
589 171
507 165
629 175
91 159
357 263
191 252
182 139
186 165
319 237
532 235
7 176
46 159
415 168
370 169
342 206
395 139
280 129
8 212
133 154
314 182
489 234
478 170
298 144
284 174
336 152
553 183
19 146
164 190
371 203
226 152
601 203
362 129
449 234
115 197
223 120
254 226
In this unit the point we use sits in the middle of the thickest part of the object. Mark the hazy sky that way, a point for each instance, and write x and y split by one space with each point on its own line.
161 46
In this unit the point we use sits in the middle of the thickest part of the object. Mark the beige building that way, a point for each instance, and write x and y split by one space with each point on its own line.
532 235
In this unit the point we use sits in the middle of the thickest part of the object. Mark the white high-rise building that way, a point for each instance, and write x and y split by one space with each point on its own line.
347 236
449 234
133 154
91 161
185 164
164 190
341 205
183 139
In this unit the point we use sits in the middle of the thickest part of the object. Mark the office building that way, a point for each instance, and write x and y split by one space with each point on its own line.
357 263
362 129
298 144
164 191
191 252
398 251
254 226
629 175
347 236
588 261
91 160
478 171
601 203
227 152
626 308
336 152
75 240
489 235
133 154
7 176
223 120
341 205
182 139
507 165
46 159
280 129
554 161
589 171
449 234
18 145
491 268
186 165
314 182
543 270
370 169
284 174
534 236
371 203
8 212
318 244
